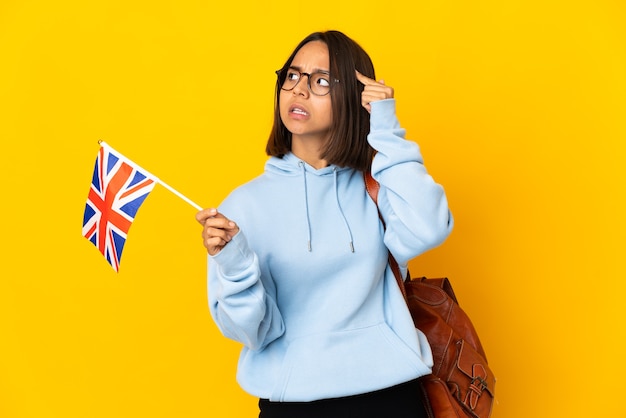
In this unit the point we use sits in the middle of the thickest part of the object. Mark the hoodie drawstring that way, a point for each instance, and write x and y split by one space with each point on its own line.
343 216
306 208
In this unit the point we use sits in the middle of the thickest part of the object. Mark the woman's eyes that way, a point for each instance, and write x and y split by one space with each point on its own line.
322 81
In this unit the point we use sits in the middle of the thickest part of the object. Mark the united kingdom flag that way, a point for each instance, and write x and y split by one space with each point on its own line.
118 189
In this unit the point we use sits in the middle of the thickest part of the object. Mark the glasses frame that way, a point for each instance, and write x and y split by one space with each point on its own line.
332 81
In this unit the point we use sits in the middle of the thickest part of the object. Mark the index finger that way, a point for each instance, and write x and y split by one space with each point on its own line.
205 214
365 80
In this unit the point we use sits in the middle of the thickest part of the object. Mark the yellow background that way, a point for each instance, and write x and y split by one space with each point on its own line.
519 107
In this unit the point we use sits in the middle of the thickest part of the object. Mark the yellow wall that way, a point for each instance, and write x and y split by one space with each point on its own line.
519 107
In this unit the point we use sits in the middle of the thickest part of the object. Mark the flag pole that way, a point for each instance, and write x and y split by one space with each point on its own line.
158 180
177 193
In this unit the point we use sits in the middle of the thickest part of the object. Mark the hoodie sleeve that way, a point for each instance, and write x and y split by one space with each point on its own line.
238 300
414 207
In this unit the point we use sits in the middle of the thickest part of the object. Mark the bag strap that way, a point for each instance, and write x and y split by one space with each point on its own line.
372 187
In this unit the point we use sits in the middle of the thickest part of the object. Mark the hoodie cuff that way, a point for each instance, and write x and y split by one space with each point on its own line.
235 258
383 116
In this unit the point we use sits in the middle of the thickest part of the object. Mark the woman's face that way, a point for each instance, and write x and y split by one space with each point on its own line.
306 115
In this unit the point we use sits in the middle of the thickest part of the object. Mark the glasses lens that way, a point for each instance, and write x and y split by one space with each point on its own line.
320 83
291 79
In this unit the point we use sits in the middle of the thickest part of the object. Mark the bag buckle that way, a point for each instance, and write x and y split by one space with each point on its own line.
475 390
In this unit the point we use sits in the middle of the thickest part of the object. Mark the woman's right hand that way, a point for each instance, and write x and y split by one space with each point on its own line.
373 91
217 230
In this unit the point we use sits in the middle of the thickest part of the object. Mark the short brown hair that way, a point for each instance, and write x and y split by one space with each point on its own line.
347 145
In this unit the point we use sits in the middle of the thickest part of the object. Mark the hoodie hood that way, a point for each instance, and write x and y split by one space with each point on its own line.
291 165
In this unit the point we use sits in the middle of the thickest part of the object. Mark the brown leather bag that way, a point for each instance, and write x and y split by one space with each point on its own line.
461 384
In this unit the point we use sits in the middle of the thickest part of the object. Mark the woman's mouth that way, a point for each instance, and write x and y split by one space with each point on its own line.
298 111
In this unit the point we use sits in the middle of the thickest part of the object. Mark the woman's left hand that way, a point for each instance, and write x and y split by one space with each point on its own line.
373 91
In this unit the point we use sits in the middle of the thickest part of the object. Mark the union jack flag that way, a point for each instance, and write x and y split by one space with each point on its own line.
118 189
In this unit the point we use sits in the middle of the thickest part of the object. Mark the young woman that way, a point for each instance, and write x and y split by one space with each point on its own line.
298 268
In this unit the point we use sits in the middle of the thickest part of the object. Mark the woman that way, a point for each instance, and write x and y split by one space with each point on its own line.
298 256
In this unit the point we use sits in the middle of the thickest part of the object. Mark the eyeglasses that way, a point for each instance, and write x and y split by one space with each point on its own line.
319 82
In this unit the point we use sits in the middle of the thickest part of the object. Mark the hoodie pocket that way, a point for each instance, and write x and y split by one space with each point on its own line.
345 363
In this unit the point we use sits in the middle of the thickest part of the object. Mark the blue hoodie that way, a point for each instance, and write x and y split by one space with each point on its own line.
305 284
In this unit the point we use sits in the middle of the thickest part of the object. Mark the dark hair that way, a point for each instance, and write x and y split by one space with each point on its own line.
347 145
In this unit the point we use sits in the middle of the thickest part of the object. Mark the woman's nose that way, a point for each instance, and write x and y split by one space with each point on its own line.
302 87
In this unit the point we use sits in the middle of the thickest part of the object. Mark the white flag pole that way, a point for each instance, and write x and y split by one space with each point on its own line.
177 193
155 178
